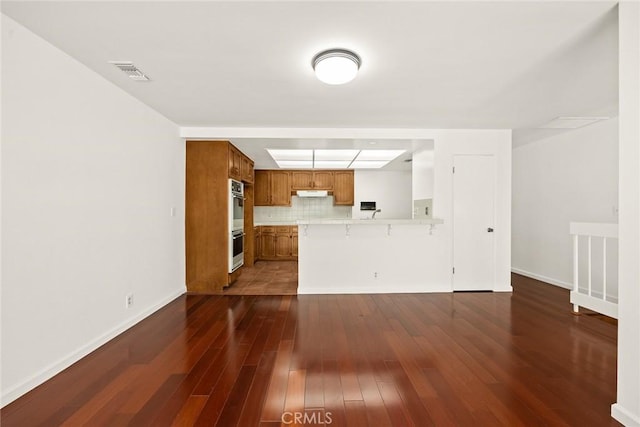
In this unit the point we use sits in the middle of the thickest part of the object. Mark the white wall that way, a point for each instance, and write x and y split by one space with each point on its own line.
627 406
89 177
479 142
569 177
391 190
422 173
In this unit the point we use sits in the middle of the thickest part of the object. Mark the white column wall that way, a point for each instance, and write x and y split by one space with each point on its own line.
627 408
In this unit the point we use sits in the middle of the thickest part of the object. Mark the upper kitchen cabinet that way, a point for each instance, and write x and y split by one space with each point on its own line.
280 188
235 163
246 170
262 191
311 180
272 188
343 193
301 180
323 180
240 166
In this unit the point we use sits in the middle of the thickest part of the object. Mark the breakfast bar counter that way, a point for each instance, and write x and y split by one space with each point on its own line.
342 256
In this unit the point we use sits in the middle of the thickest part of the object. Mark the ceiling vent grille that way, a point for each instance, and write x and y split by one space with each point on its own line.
131 70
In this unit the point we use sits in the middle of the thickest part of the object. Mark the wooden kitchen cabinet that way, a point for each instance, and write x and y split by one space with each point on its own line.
343 193
209 165
246 170
311 180
267 243
257 245
235 163
261 187
278 242
272 188
301 180
283 245
323 180
280 188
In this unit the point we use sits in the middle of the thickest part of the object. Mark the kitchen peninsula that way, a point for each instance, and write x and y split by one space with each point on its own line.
373 256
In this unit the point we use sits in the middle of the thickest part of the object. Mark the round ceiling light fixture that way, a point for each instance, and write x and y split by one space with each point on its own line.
336 66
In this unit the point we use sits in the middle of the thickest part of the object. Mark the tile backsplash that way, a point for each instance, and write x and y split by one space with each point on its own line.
302 209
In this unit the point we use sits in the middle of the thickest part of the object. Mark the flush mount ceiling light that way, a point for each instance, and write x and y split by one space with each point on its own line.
336 66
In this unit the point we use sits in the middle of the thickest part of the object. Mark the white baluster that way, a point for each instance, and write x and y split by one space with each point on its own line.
589 264
604 268
576 307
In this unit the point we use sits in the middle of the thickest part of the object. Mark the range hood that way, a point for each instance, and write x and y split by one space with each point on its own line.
312 193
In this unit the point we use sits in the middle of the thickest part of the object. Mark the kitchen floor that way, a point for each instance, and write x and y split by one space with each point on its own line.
266 278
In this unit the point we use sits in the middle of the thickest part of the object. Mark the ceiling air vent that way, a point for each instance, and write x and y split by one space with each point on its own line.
131 70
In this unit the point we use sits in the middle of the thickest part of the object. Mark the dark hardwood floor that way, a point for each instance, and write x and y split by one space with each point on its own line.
464 359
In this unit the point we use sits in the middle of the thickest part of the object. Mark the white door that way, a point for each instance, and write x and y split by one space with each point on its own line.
473 223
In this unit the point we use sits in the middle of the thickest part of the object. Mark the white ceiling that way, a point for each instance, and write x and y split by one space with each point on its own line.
500 64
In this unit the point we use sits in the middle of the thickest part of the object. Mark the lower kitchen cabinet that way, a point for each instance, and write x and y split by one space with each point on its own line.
283 245
278 242
267 242
257 243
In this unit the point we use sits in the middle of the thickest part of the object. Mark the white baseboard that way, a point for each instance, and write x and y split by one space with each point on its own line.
542 278
55 368
625 417
346 289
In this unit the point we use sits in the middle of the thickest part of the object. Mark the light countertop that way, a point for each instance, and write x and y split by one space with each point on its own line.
275 222
381 221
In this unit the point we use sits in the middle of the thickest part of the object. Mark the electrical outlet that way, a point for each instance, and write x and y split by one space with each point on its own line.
129 301
375 275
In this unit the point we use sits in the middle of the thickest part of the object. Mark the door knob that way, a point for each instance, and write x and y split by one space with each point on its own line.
489 230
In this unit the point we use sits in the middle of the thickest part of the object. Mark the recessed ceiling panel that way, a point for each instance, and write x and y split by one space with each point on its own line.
291 154
294 164
335 154
331 164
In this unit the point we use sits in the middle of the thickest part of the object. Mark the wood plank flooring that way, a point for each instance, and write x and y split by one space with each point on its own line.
266 278
463 359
